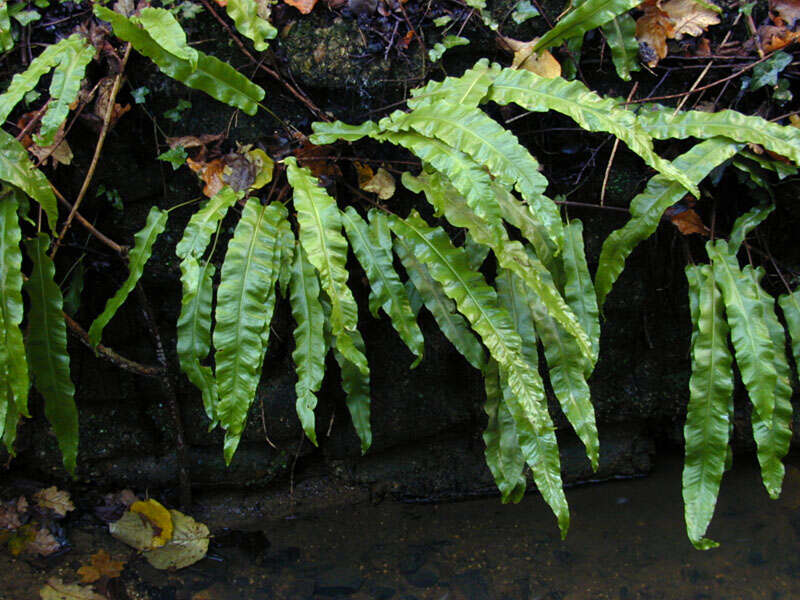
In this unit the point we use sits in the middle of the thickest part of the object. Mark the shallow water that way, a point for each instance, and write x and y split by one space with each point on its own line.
626 542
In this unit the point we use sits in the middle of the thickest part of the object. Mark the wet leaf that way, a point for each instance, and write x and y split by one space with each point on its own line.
56 589
100 566
133 529
43 543
382 183
56 500
155 512
776 37
11 513
304 6
175 156
23 536
188 545
686 220
210 173
766 73
652 30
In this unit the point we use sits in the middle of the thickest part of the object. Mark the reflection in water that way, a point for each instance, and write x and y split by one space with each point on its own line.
626 541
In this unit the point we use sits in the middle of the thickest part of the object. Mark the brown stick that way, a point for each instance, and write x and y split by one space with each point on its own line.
97 151
121 250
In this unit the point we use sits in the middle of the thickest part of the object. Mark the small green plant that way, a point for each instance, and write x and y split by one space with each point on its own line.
480 180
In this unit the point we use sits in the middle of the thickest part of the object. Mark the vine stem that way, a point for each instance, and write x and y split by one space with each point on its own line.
97 150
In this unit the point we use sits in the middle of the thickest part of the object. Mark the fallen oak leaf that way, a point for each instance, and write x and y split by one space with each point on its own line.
100 566
43 543
54 499
689 17
56 589
652 30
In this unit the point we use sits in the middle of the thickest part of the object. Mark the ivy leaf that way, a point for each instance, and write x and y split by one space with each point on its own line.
766 73
439 48
175 156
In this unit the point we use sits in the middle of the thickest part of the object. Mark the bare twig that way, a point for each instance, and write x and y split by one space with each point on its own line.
121 250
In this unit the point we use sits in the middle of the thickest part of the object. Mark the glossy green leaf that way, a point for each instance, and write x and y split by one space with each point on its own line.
589 110
287 247
524 217
476 253
167 33
203 223
513 295
212 76
474 133
143 247
478 302
469 89
6 40
194 329
502 452
46 346
245 16
241 318
328 133
309 340
321 237
17 169
13 365
647 208
620 34
663 123
746 223
453 325
583 18
773 437
707 420
578 289
755 354
790 305
355 382
64 86
386 290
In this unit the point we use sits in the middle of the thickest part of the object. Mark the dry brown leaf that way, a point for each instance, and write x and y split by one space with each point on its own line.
652 30
194 141
774 38
56 589
686 220
56 500
104 88
304 6
58 152
318 159
210 173
365 173
689 17
382 184
11 512
542 63
785 12
43 543
101 566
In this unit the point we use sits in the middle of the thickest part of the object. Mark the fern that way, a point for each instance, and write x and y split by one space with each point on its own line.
169 34
470 89
46 347
620 34
583 18
245 16
6 40
355 381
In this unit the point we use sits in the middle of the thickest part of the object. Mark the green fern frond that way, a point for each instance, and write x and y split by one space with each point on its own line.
790 305
248 276
46 346
524 217
167 32
245 17
589 110
469 89
287 246
706 431
355 381
746 223
203 223
14 386
585 17
647 208
328 133
210 75
6 39
138 257
620 33
386 290
752 344
578 289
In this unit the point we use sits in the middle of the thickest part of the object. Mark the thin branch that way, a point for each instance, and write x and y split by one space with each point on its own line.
121 250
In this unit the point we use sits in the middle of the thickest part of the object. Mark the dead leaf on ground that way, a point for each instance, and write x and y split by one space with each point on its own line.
304 6
155 512
21 537
11 513
43 543
210 173
101 566
188 545
689 17
669 20
542 63
56 589
318 159
785 12
105 86
686 220
56 500
382 183
364 172
773 37
194 141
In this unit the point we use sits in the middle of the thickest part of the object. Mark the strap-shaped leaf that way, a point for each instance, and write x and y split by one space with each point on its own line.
386 290
469 89
752 344
707 418
790 305
212 76
589 110
583 18
167 33
453 325
773 437
12 417
662 123
13 365
194 329
309 340
142 248
287 245
524 217
568 370
478 302
241 318
476 253
502 452
328 133
513 294
474 133
355 382
647 208
17 169
245 16
64 86
321 236
6 40
746 223
46 347
510 254
203 223
578 289
620 34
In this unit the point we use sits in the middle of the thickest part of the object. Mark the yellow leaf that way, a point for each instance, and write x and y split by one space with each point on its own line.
542 63
689 17
155 512
264 166
365 173
56 589
382 183
189 544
